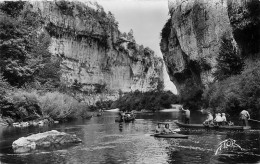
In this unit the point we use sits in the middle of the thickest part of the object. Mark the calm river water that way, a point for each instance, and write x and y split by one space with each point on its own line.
105 141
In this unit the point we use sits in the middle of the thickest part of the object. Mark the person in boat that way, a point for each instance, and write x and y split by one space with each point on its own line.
132 113
224 119
183 114
244 116
167 129
122 115
186 116
218 119
159 129
209 119
128 115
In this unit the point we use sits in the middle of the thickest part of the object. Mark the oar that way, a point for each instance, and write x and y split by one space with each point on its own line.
254 120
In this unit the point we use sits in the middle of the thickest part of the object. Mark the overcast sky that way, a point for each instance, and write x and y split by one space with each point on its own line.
146 18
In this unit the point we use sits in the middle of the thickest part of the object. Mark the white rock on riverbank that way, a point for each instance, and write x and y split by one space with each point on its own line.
43 140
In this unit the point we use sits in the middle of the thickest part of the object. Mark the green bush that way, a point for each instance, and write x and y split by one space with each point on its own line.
12 8
236 92
229 61
152 100
24 54
61 106
20 105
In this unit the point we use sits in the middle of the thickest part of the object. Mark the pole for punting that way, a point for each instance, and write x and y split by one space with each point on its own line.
253 120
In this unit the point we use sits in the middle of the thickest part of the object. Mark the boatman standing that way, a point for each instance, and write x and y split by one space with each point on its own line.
186 114
244 116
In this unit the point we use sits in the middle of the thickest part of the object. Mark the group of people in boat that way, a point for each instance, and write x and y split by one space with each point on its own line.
163 129
123 115
221 120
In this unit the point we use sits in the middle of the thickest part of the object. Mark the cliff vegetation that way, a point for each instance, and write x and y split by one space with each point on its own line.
62 59
211 50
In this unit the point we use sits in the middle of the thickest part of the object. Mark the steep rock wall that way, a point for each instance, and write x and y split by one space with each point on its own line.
92 50
196 31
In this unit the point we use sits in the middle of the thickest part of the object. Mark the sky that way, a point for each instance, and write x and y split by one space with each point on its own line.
146 18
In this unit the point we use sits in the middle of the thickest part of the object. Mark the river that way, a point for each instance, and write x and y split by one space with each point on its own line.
105 141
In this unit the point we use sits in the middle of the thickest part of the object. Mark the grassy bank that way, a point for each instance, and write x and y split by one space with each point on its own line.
21 105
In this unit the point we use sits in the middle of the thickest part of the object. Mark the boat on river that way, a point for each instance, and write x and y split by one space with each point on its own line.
255 124
125 120
201 126
129 118
170 135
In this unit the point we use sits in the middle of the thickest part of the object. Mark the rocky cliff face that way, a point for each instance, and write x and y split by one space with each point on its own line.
195 32
93 52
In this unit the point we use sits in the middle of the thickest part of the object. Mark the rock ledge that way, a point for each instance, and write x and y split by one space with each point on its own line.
43 140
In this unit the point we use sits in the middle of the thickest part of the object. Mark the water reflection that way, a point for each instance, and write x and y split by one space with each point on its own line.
105 141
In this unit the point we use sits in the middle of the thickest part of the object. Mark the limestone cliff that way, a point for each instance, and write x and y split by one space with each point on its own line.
93 52
194 33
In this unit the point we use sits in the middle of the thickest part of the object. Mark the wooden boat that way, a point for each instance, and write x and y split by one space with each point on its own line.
170 135
201 126
128 119
255 124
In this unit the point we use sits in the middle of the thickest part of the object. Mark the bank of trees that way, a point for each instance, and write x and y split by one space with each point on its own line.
237 83
153 100
236 92
29 78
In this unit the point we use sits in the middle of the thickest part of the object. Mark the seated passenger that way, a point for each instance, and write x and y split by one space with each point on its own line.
218 119
167 130
230 123
209 119
224 119
158 129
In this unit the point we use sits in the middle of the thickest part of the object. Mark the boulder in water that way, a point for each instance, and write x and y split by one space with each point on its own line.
43 140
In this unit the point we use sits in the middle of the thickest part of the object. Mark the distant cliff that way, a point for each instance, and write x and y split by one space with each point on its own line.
93 52
196 33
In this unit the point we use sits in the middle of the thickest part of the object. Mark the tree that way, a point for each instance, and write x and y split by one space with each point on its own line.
111 17
3 85
160 85
23 52
12 8
130 35
228 61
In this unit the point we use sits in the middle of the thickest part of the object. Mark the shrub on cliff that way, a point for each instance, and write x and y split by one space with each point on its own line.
23 51
228 61
12 8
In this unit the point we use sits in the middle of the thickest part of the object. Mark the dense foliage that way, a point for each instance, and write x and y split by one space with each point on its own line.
228 61
153 100
236 92
21 105
23 51
27 71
